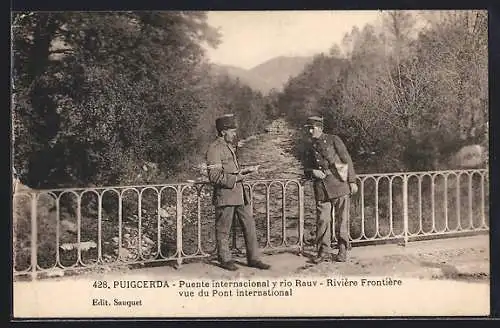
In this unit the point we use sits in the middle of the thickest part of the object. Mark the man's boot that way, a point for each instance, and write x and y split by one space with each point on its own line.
229 265
342 254
322 257
259 265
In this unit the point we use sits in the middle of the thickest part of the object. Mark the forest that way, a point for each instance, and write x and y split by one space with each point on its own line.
405 94
117 98
121 98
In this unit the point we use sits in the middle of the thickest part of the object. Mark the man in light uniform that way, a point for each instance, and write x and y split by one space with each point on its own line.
330 167
229 197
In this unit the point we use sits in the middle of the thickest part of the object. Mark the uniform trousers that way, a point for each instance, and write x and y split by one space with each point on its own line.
224 216
333 213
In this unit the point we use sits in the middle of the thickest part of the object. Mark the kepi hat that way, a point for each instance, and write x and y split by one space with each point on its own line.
314 121
225 122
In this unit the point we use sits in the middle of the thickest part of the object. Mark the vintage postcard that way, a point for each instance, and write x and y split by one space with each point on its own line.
250 164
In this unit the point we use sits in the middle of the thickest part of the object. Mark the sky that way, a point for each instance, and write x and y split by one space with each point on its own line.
251 37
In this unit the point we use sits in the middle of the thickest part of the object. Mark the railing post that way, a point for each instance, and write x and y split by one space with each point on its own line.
79 229
301 218
179 226
14 231
198 214
471 214
268 217
483 206
34 238
99 229
283 213
405 209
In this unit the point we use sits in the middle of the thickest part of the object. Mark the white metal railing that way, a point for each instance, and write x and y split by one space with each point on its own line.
67 229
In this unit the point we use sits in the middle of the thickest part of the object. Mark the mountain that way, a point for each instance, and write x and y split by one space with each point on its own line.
245 76
277 71
272 74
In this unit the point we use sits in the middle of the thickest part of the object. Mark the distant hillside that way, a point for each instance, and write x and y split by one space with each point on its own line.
247 77
273 73
277 71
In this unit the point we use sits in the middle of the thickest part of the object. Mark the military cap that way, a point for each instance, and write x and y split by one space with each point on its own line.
314 121
225 122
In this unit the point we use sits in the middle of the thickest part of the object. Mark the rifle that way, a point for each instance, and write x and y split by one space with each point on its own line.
244 168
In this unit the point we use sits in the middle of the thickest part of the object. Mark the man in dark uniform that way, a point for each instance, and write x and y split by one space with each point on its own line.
330 167
229 196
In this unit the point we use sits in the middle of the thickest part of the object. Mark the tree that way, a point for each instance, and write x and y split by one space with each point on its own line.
406 95
98 90
452 56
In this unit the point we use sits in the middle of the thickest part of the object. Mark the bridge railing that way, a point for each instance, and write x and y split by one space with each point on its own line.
72 229
415 205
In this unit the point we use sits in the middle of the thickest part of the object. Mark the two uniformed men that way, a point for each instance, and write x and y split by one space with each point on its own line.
229 196
330 167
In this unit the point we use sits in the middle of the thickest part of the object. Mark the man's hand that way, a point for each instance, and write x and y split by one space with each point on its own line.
353 187
239 177
318 174
250 169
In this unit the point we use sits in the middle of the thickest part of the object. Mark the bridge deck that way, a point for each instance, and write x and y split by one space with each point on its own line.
441 277
453 258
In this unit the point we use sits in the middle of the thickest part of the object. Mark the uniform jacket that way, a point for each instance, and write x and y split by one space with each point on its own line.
321 155
223 167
